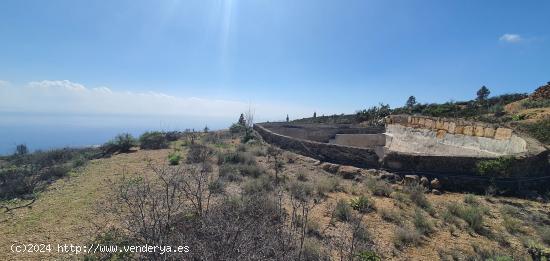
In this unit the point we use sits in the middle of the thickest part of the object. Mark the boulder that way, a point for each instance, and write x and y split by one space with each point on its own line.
329 167
435 184
411 179
424 181
390 177
348 172
436 192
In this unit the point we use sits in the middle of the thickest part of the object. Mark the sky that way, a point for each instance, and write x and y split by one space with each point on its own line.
215 59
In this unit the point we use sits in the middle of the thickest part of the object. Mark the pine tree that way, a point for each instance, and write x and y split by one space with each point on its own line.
314 115
242 121
206 129
482 94
411 101
287 118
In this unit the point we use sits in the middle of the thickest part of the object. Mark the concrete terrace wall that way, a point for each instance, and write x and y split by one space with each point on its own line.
360 140
318 132
360 157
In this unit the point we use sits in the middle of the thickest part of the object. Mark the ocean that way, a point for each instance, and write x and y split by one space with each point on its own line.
43 132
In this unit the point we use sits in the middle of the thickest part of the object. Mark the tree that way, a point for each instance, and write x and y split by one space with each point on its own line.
411 101
314 115
482 94
242 120
21 149
287 118
206 129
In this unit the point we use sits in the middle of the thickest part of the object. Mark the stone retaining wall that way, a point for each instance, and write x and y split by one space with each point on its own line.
452 126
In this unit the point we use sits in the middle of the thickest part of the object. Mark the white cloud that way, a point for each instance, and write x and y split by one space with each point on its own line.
64 97
511 38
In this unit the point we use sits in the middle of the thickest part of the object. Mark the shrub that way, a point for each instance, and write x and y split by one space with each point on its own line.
313 228
300 190
237 128
539 130
301 176
379 187
473 215
390 215
174 158
545 234
470 199
342 212
121 143
199 153
530 103
312 251
254 186
236 158
153 140
362 204
416 194
325 185
500 167
511 224
250 170
422 224
173 135
229 172
405 236
367 255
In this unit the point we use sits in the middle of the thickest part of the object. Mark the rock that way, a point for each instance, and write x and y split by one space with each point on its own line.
435 184
542 92
316 163
390 177
489 133
370 172
411 179
424 181
436 192
503 134
348 172
395 187
479 131
329 167
468 130
440 134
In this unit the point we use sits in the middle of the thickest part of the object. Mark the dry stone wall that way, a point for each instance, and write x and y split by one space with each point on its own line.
452 126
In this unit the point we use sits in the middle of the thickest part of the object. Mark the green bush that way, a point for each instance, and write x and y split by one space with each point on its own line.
236 158
513 225
121 143
362 204
500 167
174 158
405 236
259 185
545 234
199 154
153 140
391 215
367 255
237 128
539 130
422 224
379 187
250 170
229 172
326 184
342 212
528 104
300 190
473 215
416 195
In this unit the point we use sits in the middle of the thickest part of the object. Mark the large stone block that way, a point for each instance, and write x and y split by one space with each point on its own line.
421 122
446 125
459 129
479 131
489 133
468 130
439 124
452 128
430 124
503 134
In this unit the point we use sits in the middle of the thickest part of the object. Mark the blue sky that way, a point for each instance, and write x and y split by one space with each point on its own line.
282 57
